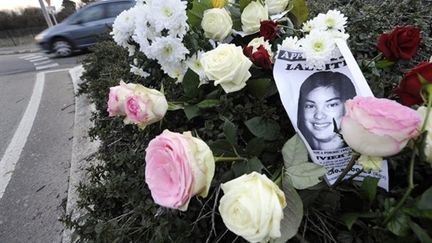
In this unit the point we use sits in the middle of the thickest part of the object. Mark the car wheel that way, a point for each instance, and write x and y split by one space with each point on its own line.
62 47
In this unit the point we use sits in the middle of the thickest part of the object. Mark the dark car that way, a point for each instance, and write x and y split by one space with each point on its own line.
81 29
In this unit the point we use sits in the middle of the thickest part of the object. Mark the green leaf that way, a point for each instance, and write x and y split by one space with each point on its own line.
190 84
425 201
294 151
195 14
235 17
246 167
208 103
305 175
263 128
259 87
191 111
384 64
418 213
300 11
230 131
399 225
221 148
420 233
368 188
255 146
174 107
293 213
244 3
349 219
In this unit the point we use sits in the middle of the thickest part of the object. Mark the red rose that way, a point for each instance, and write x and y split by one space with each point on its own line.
260 57
410 87
401 43
268 29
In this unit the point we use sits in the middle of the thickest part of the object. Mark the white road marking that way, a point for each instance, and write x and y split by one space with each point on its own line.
46 66
16 145
31 58
27 56
42 63
39 59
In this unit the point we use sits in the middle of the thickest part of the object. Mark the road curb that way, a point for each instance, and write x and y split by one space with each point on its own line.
19 51
83 149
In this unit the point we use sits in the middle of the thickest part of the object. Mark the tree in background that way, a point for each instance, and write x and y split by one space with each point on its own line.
69 7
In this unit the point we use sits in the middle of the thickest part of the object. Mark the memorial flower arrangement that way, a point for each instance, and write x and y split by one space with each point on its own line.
218 157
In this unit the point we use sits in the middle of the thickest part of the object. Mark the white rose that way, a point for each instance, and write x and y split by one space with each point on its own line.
227 66
276 6
252 207
216 23
252 16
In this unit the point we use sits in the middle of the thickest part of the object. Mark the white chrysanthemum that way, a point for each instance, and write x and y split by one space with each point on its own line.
124 26
194 63
291 43
167 50
175 70
257 42
332 20
318 48
335 20
139 71
307 26
168 15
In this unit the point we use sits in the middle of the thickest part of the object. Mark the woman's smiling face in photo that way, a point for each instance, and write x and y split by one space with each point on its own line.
322 105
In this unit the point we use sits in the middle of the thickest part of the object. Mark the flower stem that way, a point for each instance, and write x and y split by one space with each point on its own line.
221 159
407 192
374 59
411 166
354 158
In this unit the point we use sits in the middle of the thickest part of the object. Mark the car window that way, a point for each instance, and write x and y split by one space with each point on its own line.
91 14
114 9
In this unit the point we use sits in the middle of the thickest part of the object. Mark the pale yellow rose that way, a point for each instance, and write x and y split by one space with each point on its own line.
370 163
216 23
202 163
252 207
218 3
276 6
227 66
252 16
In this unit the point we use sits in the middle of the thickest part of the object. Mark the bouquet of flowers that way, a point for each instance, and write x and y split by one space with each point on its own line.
236 155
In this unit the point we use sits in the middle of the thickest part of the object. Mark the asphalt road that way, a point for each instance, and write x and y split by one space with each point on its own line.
36 123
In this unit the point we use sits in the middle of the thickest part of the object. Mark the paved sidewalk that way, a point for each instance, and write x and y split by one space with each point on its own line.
30 48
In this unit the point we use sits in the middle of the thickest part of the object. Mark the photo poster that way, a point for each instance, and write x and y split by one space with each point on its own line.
314 101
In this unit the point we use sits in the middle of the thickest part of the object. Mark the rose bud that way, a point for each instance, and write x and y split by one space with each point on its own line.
117 97
378 127
401 43
410 87
259 51
144 106
268 29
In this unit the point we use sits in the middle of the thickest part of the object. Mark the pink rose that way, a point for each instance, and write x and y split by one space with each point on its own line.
117 96
144 106
378 127
178 166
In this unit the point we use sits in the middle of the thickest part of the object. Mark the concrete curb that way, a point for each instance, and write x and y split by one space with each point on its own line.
82 149
10 52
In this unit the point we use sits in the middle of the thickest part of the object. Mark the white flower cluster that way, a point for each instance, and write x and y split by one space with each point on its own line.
158 27
319 44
